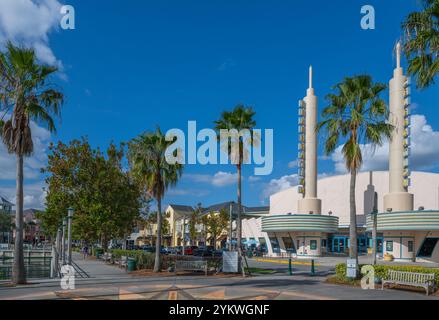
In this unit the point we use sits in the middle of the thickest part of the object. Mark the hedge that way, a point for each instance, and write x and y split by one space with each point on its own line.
381 271
145 260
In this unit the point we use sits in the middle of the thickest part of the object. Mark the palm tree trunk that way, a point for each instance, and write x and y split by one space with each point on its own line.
238 218
18 272
353 252
374 238
159 236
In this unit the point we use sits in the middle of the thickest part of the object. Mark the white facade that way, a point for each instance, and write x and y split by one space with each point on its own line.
334 192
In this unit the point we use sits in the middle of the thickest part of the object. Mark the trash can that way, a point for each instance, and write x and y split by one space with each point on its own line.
131 264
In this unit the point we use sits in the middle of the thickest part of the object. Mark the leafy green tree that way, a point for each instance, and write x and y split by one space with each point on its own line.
105 199
216 223
149 167
27 94
6 224
241 118
194 220
421 43
356 116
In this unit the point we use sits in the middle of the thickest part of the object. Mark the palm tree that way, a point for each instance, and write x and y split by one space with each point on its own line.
356 116
27 94
149 166
421 43
241 118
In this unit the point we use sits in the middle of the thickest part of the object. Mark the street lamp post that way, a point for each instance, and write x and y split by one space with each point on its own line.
183 233
63 241
230 227
70 217
374 230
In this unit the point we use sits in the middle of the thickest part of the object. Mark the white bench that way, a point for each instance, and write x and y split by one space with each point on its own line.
191 265
107 257
123 262
423 280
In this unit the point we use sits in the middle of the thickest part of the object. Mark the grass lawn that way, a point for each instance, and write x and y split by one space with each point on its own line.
259 271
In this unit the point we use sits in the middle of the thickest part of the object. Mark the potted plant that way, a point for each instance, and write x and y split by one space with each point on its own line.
388 257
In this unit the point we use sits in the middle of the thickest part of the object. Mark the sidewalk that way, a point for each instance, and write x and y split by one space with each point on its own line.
98 269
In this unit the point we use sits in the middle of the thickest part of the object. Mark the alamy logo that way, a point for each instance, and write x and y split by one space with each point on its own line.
67 277
368 20
244 146
368 280
68 19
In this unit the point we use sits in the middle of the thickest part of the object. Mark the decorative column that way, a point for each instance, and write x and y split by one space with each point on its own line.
398 198
310 204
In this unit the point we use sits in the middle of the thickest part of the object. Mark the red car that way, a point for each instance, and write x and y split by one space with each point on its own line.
190 250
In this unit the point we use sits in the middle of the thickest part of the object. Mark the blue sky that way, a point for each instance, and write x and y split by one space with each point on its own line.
131 65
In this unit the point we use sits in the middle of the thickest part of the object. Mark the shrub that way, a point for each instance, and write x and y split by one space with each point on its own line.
145 260
381 271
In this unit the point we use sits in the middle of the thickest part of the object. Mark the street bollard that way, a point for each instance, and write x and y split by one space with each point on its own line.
290 269
313 269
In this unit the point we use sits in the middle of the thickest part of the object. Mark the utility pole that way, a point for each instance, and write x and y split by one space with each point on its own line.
70 217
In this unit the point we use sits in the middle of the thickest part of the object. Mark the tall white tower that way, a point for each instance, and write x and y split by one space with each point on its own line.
398 198
310 204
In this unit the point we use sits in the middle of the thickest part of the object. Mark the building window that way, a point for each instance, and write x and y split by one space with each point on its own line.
289 244
427 247
389 246
324 243
275 244
410 246
313 244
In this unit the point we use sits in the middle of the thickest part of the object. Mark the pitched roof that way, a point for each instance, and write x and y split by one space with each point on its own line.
181 208
234 206
4 201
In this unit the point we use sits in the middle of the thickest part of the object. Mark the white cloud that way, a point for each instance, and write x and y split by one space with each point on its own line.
28 22
253 179
293 164
219 179
33 164
424 153
277 185
187 192
34 195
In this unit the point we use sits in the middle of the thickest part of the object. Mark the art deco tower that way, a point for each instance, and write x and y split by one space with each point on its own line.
398 198
308 153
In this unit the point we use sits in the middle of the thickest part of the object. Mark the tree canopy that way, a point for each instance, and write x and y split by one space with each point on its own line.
106 201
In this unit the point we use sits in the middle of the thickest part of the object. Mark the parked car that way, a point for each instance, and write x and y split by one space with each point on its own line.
178 249
148 249
172 250
204 251
190 250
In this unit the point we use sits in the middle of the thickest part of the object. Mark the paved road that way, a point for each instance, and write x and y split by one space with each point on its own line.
296 287
107 283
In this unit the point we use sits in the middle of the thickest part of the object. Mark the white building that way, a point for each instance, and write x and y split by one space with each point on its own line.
419 235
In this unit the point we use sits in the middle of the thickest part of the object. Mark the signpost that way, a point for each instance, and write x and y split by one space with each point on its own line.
351 268
230 262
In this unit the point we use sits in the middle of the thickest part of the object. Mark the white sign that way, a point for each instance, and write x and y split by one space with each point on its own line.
351 268
230 262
